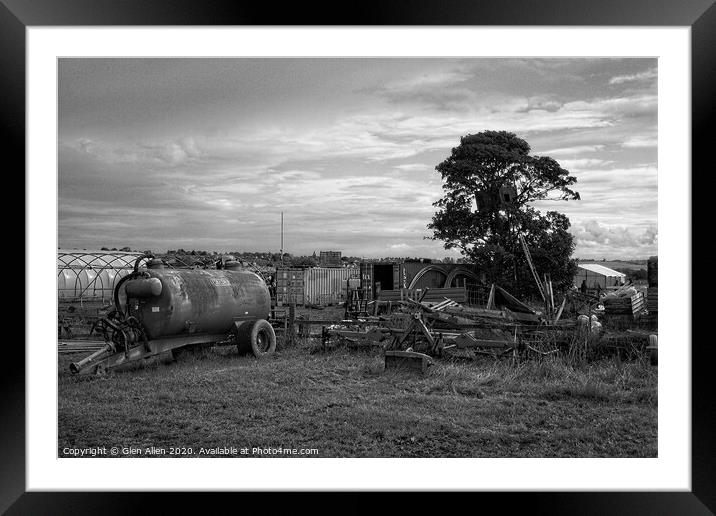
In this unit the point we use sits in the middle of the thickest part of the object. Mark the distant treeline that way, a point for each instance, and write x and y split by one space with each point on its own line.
201 257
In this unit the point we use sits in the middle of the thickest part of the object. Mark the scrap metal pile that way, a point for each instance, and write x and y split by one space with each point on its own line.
507 326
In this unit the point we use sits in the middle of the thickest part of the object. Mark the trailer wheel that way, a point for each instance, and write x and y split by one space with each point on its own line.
257 337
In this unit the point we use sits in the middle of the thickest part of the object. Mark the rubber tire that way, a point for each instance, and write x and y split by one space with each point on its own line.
250 335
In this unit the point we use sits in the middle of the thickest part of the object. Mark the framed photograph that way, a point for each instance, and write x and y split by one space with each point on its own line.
402 250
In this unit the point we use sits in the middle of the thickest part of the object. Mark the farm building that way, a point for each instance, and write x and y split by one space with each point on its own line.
330 259
598 275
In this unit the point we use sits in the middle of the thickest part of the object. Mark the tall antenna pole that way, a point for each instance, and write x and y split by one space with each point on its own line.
281 238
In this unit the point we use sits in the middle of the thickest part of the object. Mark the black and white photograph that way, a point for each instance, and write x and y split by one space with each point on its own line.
408 249
357 257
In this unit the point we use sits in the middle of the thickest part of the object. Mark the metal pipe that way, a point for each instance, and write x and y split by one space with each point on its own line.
116 290
76 367
139 259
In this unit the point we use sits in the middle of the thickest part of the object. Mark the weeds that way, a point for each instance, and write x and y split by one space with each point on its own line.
572 404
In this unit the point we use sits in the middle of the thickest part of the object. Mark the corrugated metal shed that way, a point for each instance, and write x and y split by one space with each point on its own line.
316 285
598 275
326 285
601 269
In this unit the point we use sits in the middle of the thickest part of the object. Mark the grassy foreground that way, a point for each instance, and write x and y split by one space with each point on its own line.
343 404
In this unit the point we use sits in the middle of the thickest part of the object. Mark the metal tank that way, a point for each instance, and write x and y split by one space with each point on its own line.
158 309
173 301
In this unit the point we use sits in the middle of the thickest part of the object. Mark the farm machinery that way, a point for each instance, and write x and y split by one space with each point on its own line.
159 310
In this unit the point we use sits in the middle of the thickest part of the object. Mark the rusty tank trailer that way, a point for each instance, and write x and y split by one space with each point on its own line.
157 310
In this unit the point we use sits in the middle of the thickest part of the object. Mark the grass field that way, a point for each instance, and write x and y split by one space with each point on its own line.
344 404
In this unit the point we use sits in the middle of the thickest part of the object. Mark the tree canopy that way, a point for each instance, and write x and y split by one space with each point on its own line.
488 182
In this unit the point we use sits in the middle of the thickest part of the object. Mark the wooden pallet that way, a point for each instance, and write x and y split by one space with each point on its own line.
632 305
652 299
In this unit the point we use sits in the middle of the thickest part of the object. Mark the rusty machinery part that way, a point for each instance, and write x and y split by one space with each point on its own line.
175 302
257 337
147 256
165 309
121 332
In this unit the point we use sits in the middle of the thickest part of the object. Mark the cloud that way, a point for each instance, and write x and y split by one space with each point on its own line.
642 76
544 103
582 163
378 136
616 240
637 142
168 152
571 151
358 174
413 167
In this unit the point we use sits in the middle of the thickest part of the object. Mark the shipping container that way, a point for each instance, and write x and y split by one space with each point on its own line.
289 286
327 285
392 276
377 276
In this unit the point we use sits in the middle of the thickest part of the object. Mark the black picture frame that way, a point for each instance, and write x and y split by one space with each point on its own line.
700 15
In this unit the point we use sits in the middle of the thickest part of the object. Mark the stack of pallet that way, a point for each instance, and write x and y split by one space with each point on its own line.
652 293
652 299
625 309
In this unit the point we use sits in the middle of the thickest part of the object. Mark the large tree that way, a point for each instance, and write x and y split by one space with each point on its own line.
489 181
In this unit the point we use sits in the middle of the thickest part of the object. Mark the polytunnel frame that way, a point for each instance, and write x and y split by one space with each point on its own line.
109 259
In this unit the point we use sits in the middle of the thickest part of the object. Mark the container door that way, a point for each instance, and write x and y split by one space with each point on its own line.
366 278
289 286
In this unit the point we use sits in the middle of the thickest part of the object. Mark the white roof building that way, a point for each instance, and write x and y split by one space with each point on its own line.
598 275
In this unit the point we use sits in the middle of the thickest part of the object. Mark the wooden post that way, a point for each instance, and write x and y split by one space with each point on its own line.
491 298
532 268
378 288
559 313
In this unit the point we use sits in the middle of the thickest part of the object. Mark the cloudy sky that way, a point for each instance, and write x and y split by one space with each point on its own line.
206 153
